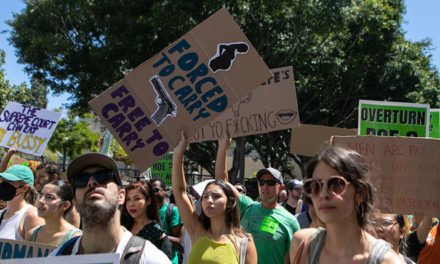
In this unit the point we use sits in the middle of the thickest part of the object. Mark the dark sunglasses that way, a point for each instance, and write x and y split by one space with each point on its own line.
102 177
270 182
335 184
156 190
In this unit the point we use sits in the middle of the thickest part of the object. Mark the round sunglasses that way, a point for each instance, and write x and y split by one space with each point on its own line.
335 184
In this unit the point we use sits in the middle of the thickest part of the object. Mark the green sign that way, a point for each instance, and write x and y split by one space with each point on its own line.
434 125
393 119
163 168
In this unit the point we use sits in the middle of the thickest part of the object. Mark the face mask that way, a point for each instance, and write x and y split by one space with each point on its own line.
7 191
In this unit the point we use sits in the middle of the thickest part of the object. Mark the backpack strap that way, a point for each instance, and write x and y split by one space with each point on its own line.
1 217
66 248
243 249
133 250
380 248
34 234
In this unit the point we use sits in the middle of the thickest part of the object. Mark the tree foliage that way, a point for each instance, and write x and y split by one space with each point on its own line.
341 51
35 96
74 136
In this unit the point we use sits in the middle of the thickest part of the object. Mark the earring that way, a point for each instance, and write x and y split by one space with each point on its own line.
360 210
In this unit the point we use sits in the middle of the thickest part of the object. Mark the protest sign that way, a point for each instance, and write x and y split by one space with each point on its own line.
12 249
404 170
434 123
108 258
26 127
393 119
163 168
16 160
308 139
270 107
183 87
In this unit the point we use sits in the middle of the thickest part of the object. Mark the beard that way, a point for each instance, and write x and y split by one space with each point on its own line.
97 214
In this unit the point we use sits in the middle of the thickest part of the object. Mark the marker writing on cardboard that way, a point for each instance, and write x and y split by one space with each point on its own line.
128 120
199 93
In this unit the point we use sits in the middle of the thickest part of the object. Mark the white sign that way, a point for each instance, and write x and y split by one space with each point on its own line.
28 128
71 259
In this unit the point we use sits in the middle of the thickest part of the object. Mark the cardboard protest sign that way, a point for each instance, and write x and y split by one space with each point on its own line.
183 87
107 258
163 168
26 127
434 123
308 139
16 160
404 170
12 249
393 119
270 107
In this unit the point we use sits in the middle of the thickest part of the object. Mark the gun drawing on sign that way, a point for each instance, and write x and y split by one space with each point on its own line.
166 106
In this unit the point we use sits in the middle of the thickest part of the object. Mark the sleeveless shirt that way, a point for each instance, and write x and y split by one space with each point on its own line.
68 235
206 250
9 228
378 250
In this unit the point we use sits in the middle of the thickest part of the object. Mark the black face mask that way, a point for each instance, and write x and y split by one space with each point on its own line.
7 191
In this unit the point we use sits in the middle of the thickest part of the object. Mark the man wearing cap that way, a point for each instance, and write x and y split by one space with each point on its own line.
19 217
98 195
294 192
271 225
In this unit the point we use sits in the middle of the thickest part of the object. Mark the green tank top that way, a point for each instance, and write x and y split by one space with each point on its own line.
206 250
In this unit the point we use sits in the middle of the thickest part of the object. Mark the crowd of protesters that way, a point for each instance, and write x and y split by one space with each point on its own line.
328 217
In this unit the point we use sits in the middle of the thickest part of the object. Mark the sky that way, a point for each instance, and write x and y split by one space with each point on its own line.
420 21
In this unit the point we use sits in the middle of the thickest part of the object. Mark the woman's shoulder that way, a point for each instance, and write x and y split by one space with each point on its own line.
306 232
391 257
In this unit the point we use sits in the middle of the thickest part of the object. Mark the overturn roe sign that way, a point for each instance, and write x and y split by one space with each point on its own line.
404 171
181 88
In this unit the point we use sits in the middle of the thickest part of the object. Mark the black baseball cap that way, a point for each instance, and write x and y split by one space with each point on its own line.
90 160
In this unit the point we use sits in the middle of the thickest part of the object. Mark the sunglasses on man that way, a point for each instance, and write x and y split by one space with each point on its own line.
102 177
270 182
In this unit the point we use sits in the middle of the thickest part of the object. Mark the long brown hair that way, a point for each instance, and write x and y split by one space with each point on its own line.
232 219
353 167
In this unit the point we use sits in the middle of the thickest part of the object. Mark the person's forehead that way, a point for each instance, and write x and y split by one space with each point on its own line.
156 184
382 216
214 188
324 171
134 192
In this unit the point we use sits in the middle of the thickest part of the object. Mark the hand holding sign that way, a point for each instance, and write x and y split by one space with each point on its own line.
181 88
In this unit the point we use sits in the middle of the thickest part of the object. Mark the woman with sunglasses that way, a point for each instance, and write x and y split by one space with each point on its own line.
216 234
140 215
53 205
341 195
19 216
394 229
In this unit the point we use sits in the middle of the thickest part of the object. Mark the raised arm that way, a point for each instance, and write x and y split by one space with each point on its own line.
221 169
423 228
186 210
6 158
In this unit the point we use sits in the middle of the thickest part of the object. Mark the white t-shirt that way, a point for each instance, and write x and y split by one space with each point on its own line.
151 254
